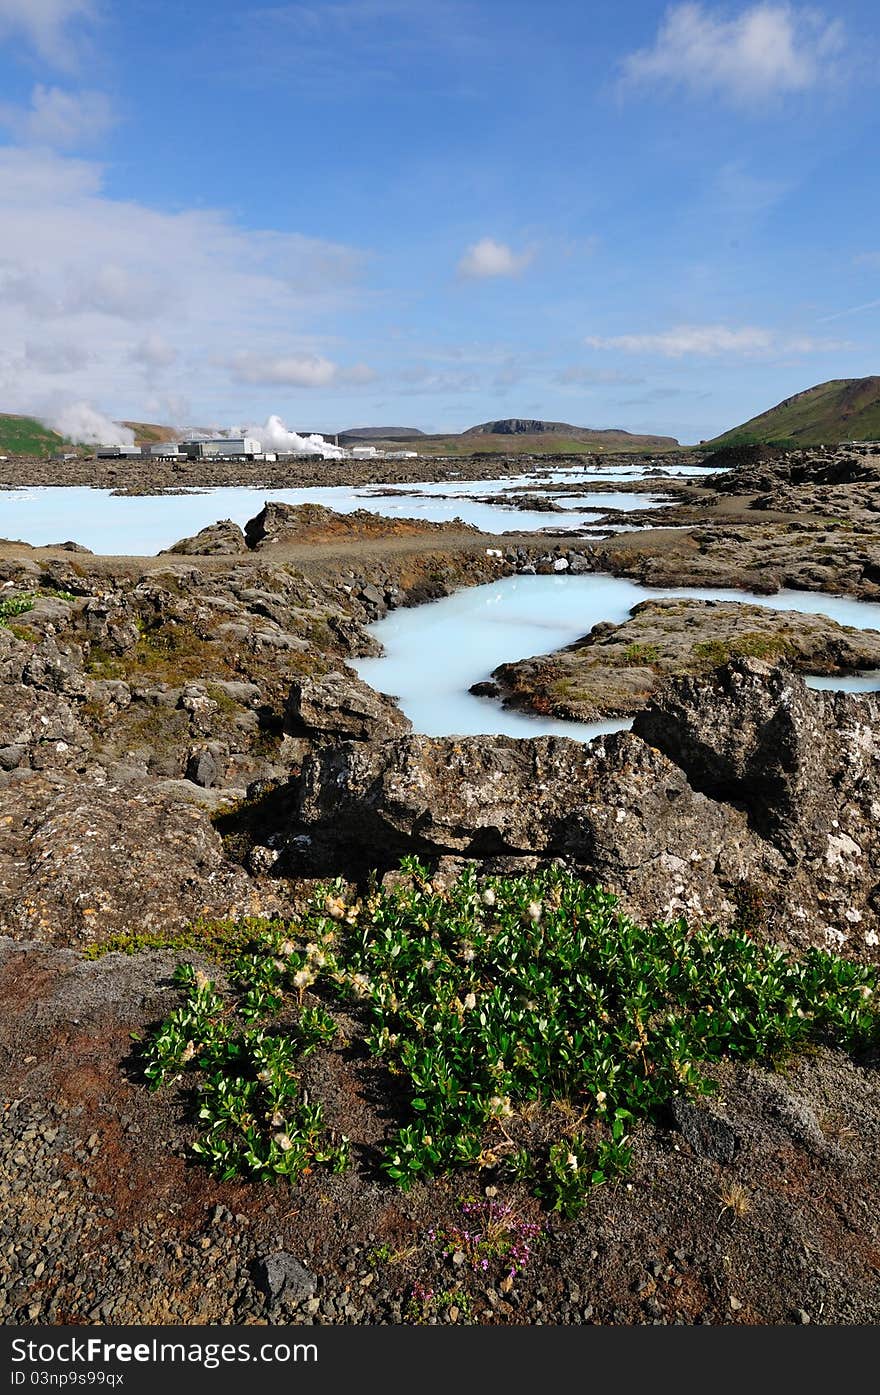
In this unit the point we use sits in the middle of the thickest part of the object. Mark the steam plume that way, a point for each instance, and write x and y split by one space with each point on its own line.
84 424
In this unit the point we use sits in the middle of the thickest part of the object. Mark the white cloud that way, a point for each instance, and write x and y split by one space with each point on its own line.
490 258
81 422
713 341
359 373
125 287
293 370
153 352
58 118
48 26
54 358
298 370
766 51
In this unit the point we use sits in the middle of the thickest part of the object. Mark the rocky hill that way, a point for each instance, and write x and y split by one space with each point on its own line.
520 426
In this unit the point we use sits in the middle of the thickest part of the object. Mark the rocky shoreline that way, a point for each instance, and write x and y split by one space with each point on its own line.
615 669
184 743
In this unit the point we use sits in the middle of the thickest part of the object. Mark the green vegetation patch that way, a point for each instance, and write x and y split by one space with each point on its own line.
751 645
220 940
528 1023
637 655
26 436
11 606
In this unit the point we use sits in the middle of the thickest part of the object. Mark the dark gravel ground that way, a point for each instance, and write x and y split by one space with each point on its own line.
765 1209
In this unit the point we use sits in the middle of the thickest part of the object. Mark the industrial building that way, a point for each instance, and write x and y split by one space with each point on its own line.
221 447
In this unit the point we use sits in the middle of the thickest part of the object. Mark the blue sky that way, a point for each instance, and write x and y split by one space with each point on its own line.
433 212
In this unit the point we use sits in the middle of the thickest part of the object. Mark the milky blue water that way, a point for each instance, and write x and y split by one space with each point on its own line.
144 525
433 653
856 683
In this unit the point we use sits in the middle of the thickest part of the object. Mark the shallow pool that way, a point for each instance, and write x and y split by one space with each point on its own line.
435 652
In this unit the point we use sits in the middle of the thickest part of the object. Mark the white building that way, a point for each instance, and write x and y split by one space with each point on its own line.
222 447
363 452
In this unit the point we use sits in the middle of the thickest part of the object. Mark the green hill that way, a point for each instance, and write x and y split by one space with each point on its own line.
27 436
846 409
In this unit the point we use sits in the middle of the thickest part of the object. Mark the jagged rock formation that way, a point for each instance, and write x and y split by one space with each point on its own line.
742 794
341 706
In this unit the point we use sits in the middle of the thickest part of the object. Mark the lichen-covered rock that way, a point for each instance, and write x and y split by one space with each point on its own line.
340 705
805 768
616 808
298 523
614 670
84 857
218 539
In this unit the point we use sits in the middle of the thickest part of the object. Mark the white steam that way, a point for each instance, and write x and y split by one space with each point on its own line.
274 436
81 423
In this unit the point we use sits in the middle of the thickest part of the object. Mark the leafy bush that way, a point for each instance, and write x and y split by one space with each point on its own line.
10 606
258 1121
529 1021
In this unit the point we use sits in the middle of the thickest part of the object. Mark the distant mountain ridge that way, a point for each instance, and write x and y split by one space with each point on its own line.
843 409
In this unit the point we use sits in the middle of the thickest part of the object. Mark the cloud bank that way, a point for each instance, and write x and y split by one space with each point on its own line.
151 294
64 120
47 26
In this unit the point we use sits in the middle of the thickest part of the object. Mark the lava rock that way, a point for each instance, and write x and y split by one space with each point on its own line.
283 1277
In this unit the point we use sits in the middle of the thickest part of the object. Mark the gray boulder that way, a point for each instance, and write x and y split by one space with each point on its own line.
339 705
218 539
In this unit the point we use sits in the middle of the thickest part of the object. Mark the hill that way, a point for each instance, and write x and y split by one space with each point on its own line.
612 437
379 433
845 409
27 436
149 434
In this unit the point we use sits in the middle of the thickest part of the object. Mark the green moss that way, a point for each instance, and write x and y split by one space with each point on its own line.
639 655
220 940
754 644
226 705
168 653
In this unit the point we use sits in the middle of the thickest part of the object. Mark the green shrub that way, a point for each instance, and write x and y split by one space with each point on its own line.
11 606
529 1023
